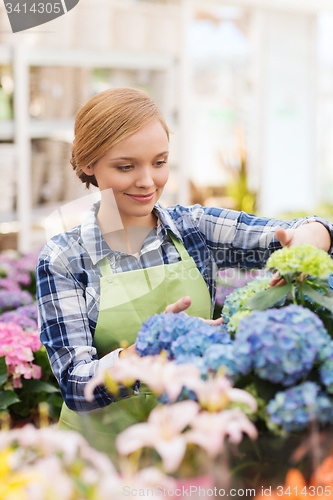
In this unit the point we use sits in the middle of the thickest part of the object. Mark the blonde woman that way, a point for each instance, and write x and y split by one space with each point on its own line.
132 257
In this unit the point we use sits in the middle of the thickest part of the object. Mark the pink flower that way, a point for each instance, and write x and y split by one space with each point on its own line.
159 374
162 432
18 347
215 394
210 429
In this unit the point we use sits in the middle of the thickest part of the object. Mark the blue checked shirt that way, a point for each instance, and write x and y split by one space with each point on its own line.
68 279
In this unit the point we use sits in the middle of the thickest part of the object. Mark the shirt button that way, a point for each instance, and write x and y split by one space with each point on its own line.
110 280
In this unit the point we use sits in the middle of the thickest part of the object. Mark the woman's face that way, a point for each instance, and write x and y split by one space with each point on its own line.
136 169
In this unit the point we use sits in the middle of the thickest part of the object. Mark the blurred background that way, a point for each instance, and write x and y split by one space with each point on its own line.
246 87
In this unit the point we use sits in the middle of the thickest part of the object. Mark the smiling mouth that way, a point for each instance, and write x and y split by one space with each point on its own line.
142 197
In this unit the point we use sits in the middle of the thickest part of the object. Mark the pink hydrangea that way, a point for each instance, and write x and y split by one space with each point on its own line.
18 347
9 284
18 268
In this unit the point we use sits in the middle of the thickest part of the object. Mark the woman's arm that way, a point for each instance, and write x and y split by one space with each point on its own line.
245 240
66 334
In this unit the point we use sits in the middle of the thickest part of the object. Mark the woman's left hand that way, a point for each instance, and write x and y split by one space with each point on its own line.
312 233
182 304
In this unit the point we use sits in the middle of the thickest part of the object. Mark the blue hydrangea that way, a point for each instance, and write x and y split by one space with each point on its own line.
238 300
280 345
326 369
198 361
217 356
195 342
161 331
294 408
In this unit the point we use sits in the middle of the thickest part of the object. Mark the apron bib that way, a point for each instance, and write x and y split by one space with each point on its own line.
126 300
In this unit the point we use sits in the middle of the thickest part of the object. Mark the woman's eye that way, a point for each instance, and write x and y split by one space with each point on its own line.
159 163
124 168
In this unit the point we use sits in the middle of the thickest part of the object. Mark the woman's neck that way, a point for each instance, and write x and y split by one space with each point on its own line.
124 234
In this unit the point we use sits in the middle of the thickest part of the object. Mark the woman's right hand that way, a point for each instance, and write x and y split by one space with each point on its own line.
129 351
178 306
185 302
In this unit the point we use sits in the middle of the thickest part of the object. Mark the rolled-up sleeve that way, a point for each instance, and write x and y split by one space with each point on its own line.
244 240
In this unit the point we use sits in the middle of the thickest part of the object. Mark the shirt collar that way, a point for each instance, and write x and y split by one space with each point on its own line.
96 245
92 237
165 222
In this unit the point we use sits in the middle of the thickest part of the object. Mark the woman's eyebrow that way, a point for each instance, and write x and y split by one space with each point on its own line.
129 158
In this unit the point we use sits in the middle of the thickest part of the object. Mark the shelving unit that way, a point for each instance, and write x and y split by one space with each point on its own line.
22 129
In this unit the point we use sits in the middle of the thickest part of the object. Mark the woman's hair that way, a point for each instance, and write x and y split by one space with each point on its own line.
106 119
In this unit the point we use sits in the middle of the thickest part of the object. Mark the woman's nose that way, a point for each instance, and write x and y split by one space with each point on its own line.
145 178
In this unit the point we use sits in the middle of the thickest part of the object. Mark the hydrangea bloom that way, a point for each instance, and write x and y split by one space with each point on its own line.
326 369
9 284
160 332
15 268
18 347
25 316
235 319
238 300
303 258
220 356
195 342
294 408
30 311
280 345
14 299
19 319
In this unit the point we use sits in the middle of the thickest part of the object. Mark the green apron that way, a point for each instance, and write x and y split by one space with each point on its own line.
126 300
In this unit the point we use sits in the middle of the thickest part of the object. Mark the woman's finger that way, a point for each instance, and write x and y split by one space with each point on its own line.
284 236
179 306
214 322
277 280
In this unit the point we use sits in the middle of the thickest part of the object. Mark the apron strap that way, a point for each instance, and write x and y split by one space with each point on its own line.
179 247
105 267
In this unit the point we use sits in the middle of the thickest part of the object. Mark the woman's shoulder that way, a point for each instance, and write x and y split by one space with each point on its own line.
66 245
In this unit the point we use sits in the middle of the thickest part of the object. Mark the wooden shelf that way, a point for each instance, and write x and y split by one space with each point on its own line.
40 129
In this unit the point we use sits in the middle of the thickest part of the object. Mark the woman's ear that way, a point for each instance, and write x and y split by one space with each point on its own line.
89 170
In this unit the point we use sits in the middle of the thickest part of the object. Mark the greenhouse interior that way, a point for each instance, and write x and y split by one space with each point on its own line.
147 384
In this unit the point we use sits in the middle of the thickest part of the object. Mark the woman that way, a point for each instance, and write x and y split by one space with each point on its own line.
131 257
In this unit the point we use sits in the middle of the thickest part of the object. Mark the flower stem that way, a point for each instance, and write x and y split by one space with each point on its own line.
301 294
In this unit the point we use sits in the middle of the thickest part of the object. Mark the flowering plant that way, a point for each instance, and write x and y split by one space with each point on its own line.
26 378
171 427
22 361
278 348
48 463
305 270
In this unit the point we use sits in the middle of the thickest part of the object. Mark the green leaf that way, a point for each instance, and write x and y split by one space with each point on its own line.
7 398
268 298
34 386
3 370
322 300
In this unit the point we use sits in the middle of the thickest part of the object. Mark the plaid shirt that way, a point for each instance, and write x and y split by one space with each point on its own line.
68 278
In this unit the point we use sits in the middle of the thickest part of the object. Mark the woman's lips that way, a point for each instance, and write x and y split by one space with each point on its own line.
142 198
